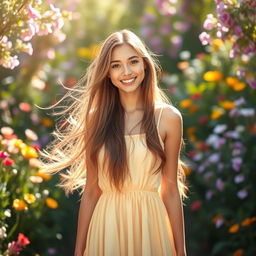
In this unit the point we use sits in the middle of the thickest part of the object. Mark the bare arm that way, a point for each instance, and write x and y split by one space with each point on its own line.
169 186
88 202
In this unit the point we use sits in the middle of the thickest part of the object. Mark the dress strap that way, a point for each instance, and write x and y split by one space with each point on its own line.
159 117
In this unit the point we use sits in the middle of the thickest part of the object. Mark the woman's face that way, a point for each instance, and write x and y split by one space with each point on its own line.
127 68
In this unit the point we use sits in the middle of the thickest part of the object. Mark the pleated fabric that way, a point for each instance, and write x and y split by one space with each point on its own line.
134 222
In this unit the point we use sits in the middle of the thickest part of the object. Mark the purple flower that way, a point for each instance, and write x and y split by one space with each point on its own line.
220 128
165 29
240 73
232 134
219 184
252 82
239 178
247 112
236 152
147 31
204 38
234 112
236 163
219 223
239 101
237 31
220 167
148 18
52 251
181 26
242 193
208 194
214 158
238 145
225 19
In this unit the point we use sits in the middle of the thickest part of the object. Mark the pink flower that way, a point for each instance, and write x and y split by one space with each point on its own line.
195 205
204 38
196 96
237 30
4 154
203 120
32 12
25 107
6 131
45 29
14 248
148 18
31 134
225 19
210 22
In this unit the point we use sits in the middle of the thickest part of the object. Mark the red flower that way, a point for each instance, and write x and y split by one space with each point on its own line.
203 119
36 147
23 240
195 205
220 97
8 161
196 96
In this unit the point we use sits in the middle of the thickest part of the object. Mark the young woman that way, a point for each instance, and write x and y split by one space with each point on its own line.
121 140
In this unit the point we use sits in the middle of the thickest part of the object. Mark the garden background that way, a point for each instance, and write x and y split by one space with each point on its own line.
207 51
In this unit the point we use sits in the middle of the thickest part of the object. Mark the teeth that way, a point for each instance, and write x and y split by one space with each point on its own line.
128 81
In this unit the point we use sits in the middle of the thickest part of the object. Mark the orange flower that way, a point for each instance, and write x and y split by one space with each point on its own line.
19 205
51 203
192 138
231 81
217 218
228 105
213 76
46 122
216 113
183 65
246 222
45 176
29 198
239 86
193 109
238 252
234 228
186 103
191 130
29 152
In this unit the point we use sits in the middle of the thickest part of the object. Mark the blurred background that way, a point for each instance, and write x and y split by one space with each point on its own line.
207 52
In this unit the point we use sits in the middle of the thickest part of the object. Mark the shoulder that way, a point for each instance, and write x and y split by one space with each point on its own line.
171 119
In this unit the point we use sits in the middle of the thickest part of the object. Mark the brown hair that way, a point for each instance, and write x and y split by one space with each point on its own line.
93 116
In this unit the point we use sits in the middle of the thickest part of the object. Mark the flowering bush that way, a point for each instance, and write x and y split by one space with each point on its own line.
23 192
161 35
235 25
220 126
21 21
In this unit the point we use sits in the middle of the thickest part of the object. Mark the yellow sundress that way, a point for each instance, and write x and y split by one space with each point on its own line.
134 222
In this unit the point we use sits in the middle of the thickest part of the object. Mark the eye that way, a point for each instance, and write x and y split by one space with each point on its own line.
134 61
115 66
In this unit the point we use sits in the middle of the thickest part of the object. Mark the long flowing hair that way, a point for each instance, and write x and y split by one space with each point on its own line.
92 116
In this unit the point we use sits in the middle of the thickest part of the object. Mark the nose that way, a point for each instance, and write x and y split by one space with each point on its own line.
127 70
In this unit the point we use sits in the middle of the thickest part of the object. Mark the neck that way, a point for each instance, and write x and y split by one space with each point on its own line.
131 102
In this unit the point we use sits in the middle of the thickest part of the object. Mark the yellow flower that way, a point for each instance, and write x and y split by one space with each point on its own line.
186 103
216 113
213 76
216 44
90 52
45 176
46 122
231 81
228 105
29 152
239 86
18 143
191 130
51 203
29 198
234 228
19 205
192 138
246 222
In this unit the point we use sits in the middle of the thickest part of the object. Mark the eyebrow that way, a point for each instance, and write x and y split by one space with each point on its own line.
132 57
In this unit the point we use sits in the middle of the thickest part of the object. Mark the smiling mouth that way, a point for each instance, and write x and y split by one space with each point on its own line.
128 81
